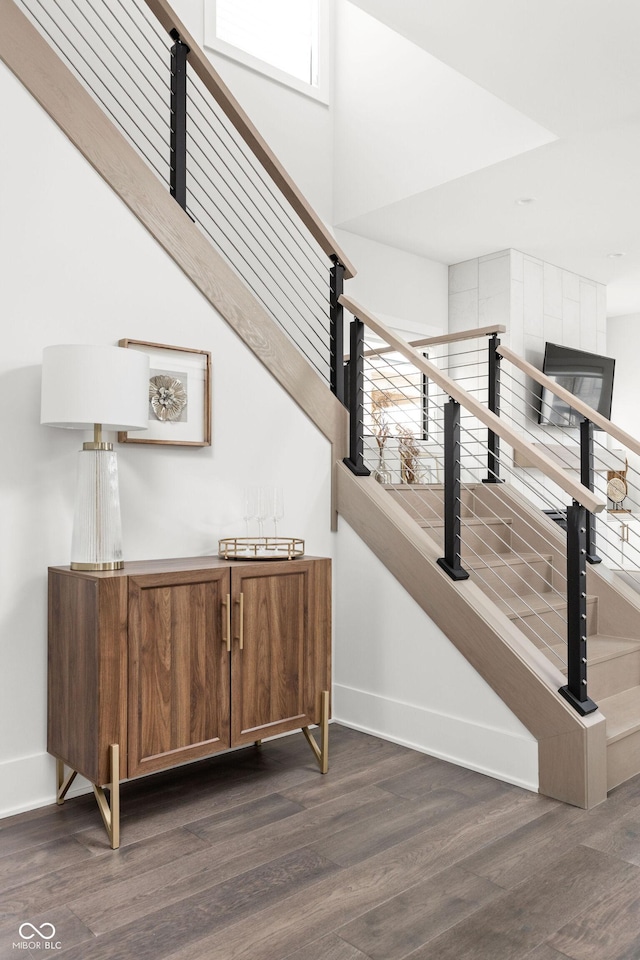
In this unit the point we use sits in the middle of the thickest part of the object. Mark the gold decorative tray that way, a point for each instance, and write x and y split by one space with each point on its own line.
260 548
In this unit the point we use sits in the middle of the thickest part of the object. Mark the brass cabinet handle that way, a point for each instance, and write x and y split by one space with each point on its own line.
226 623
240 603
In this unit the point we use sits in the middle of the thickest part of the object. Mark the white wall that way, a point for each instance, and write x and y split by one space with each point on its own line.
393 102
407 292
398 676
63 280
623 343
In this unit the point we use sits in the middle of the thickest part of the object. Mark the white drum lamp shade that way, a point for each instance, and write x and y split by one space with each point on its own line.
95 387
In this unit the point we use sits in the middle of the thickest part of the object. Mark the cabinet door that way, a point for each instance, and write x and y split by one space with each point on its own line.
281 646
178 668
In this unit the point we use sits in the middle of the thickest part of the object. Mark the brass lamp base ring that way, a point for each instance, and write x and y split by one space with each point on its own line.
106 565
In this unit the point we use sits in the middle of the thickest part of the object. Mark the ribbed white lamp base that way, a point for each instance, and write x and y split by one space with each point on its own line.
96 543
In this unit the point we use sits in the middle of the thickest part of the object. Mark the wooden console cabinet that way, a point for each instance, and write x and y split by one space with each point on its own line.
167 661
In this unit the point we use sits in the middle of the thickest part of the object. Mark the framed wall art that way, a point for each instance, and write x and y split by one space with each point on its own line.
179 396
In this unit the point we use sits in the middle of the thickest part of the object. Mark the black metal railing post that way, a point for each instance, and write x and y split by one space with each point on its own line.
575 690
452 542
355 460
336 329
586 479
493 440
178 136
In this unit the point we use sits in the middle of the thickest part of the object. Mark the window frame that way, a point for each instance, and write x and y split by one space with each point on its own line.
397 395
235 54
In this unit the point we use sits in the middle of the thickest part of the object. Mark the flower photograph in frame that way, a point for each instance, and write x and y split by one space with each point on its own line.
179 396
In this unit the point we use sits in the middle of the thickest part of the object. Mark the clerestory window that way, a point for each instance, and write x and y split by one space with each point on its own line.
279 38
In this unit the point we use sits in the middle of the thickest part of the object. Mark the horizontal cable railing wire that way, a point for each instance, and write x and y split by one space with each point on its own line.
121 60
543 617
394 413
122 55
247 222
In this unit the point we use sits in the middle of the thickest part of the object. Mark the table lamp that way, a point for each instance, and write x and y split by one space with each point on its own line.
98 387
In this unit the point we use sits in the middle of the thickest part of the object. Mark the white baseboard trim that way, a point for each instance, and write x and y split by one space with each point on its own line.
28 783
495 753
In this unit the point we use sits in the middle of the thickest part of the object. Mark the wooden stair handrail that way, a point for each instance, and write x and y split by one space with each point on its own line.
574 402
559 476
218 89
475 334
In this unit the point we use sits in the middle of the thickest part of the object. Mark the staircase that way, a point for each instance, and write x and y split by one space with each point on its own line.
509 618
520 584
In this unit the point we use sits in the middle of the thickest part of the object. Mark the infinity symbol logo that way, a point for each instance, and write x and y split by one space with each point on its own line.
39 932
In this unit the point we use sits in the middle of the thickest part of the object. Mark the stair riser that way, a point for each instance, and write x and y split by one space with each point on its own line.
609 677
544 628
623 759
428 505
514 578
478 541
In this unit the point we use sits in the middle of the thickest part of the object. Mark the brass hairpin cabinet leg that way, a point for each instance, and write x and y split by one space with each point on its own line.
63 783
321 752
109 811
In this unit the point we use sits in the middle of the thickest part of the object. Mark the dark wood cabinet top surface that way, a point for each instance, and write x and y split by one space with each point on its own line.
142 567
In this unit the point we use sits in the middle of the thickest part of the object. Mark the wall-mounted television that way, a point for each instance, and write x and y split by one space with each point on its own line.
587 375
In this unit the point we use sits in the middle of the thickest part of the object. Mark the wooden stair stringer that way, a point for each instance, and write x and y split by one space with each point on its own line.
571 749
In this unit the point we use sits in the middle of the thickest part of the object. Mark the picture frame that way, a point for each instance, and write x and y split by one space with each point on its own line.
179 396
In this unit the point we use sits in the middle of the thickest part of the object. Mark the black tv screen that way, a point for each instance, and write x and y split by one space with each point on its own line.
587 375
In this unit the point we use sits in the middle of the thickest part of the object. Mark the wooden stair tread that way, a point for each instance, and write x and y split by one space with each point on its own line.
536 603
406 487
508 559
622 712
473 522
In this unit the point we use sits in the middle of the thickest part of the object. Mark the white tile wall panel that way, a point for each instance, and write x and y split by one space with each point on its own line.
533 296
463 310
463 276
493 276
570 285
552 291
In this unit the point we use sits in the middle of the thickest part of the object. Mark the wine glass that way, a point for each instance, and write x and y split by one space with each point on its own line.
262 508
248 507
276 511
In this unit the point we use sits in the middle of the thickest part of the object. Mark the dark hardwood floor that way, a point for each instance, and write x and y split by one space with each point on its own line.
256 856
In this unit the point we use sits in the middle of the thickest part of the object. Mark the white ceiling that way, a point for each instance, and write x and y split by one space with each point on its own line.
571 66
